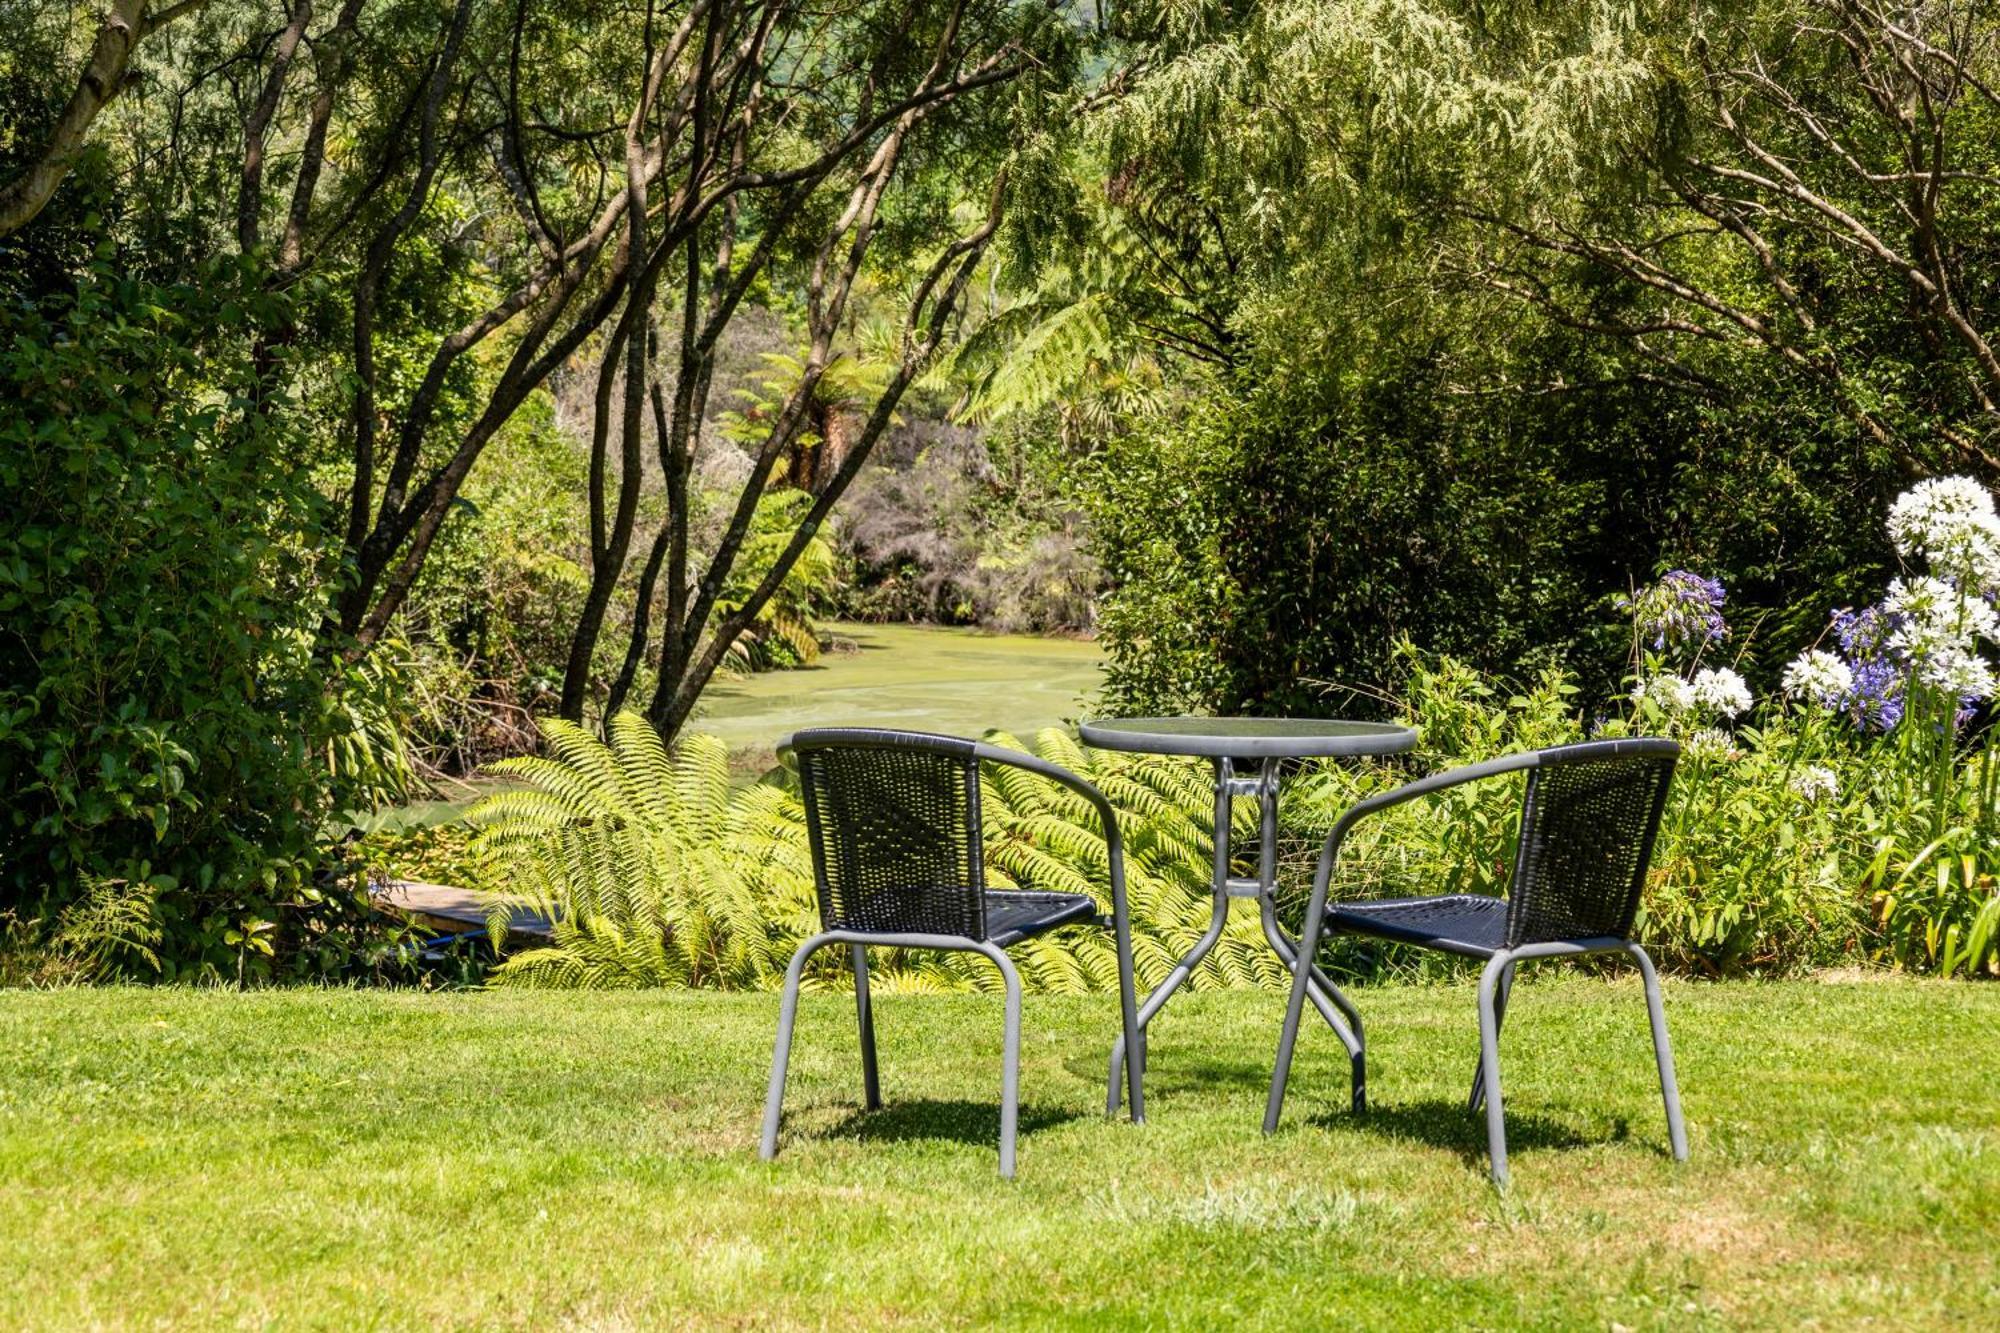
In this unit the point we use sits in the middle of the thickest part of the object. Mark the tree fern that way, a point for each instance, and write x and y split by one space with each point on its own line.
657 873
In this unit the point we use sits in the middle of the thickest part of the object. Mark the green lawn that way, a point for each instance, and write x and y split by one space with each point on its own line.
333 1159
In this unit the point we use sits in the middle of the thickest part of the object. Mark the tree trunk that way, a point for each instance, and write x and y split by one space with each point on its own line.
104 77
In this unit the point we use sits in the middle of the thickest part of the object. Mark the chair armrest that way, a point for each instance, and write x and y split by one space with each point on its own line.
1456 777
1114 842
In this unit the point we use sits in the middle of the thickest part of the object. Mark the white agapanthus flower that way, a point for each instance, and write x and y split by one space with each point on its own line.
1921 597
1816 782
1666 691
1709 743
1978 619
1936 618
1820 676
1932 512
1720 690
1951 522
1958 672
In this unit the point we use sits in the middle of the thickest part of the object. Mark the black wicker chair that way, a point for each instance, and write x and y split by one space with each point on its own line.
893 818
1588 819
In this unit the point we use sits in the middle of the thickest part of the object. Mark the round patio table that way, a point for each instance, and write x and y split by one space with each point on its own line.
1233 745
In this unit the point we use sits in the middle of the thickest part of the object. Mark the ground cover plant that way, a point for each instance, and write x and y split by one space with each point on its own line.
319 1158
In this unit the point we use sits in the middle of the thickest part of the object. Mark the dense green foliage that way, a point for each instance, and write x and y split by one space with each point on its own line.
454 365
164 731
1476 316
483 640
658 873
1265 563
1794 843
1851 817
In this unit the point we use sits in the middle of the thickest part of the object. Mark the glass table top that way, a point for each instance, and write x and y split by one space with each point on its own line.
1247 737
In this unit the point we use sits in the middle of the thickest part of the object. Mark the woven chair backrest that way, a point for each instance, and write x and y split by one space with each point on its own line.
893 819
1588 821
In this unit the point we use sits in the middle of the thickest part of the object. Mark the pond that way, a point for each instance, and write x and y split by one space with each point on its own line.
918 677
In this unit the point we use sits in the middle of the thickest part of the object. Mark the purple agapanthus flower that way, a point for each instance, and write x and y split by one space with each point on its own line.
1682 608
1865 634
1876 701
1881 672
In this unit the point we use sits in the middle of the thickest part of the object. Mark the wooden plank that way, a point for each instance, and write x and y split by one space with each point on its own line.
462 909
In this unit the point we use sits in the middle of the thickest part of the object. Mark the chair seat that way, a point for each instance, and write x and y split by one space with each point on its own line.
1463 923
1013 915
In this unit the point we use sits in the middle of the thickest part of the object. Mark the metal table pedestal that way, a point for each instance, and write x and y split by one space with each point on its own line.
1263 744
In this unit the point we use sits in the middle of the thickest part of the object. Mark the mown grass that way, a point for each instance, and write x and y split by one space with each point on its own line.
355 1159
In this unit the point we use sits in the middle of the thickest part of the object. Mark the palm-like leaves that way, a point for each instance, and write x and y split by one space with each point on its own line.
656 873
629 850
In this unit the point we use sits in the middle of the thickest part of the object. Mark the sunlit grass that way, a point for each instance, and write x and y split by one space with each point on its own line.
333 1158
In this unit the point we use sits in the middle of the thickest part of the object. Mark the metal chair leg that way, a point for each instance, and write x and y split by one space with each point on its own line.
1663 1054
1218 917
1489 1065
1010 1061
871 1085
788 1012
1478 1095
1295 1007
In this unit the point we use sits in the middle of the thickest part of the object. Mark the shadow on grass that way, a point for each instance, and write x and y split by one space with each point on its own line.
1172 1072
956 1121
1445 1123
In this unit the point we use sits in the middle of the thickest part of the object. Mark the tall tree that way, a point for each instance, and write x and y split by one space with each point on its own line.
851 103
1818 188
107 70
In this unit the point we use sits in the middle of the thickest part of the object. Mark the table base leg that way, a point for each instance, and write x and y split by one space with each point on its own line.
1333 1006
1327 997
1157 1000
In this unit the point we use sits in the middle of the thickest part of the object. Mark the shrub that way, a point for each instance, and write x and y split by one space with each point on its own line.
163 727
1264 544
485 635
1775 856
641 858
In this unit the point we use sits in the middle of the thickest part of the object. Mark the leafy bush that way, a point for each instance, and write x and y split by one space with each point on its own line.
646 865
658 874
163 727
1798 834
1870 759
1778 853
1269 543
